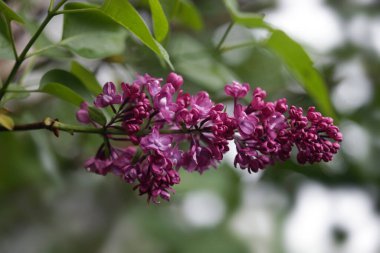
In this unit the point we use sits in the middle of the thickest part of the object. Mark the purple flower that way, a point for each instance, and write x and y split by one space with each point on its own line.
236 90
155 141
264 135
98 166
316 137
190 118
131 92
157 177
108 97
246 123
102 162
138 108
82 114
257 102
198 158
151 83
202 103
175 80
163 102
250 159
197 132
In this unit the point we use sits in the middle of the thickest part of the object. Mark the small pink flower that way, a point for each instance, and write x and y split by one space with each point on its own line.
175 79
108 97
236 90
82 114
156 141
202 103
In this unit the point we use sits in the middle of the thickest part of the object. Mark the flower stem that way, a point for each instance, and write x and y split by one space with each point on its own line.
24 52
219 46
56 126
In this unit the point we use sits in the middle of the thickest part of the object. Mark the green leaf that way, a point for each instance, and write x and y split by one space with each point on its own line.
301 66
86 77
126 15
198 65
250 20
5 43
60 91
188 14
97 115
44 46
9 13
91 34
160 22
6 121
66 79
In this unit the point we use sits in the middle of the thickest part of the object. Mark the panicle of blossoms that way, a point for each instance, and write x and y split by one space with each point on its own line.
315 136
262 136
267 131
165 129
156 128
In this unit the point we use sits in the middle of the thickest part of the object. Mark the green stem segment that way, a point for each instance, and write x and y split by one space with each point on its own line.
219 46
56 126
20 59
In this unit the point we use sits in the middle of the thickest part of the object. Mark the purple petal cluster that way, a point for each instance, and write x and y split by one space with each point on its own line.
268 131
316 137
157 128
263 134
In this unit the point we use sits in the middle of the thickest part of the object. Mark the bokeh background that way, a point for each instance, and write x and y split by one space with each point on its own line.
49 203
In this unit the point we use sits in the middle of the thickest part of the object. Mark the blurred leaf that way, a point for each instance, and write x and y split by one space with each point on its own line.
67 79
301 66
60 91
250 20
170 7
216 240
6 121
117 9
9 13
91 34
5 44
160 23
197 64
188 14
223 181
97 115
44 46
86 77
18 171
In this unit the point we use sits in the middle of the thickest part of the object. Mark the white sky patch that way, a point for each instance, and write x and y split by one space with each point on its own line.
358 30
319 210
355 89
54 29
310 22
356 141
255 221
375 34
364 31
203 208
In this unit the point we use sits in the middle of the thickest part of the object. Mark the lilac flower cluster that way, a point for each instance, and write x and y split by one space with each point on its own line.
156 129
267 131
